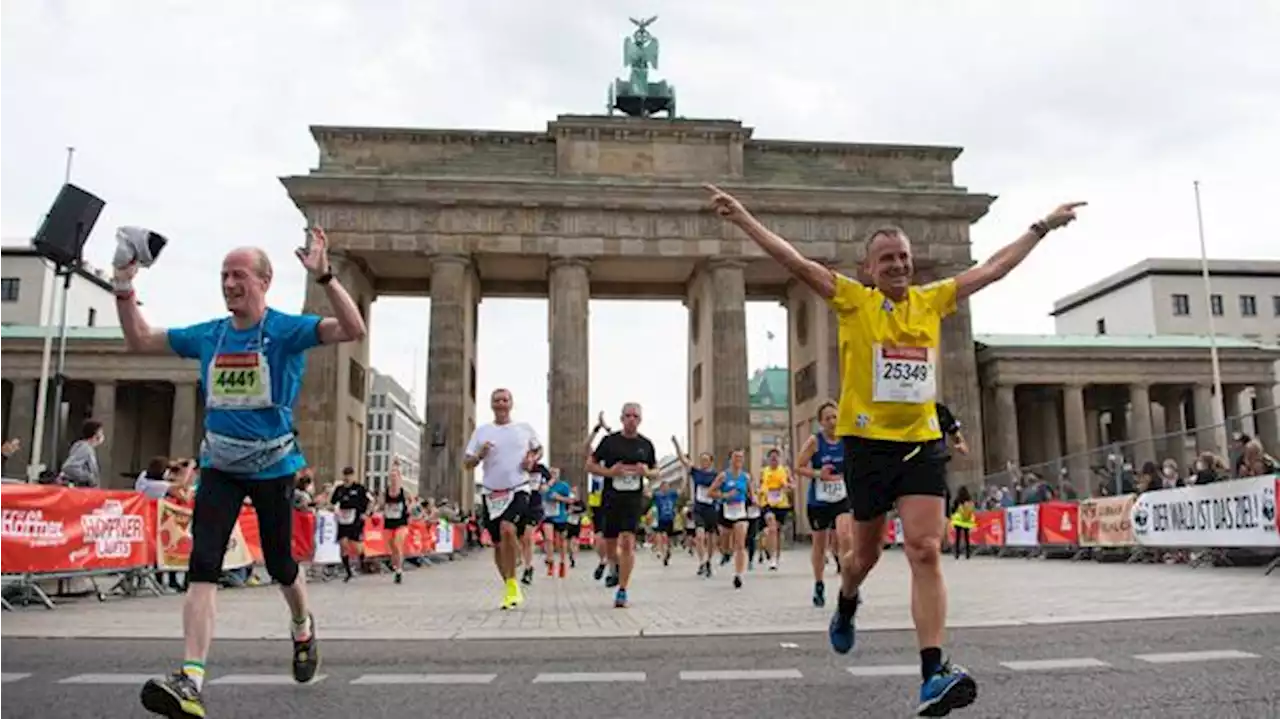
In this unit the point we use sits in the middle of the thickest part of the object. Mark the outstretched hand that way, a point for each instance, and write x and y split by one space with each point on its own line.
726 205
315 256
1063 215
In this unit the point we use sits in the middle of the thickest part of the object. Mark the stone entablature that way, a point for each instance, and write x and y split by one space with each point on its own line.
99 360
1032 365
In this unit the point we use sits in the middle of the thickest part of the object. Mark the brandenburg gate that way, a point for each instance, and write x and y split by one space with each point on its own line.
611 207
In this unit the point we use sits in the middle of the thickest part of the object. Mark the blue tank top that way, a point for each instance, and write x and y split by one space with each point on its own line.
702 478
732 483
831 453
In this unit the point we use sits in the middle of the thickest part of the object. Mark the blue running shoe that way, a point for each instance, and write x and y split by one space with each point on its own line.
620 599
819 594
840 631
949 688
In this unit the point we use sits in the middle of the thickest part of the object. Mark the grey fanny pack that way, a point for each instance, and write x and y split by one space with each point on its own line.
245 456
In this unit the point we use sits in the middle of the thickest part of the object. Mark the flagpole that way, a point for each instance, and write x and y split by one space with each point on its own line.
1219 409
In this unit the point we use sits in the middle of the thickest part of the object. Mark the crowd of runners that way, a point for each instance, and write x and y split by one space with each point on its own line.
876 451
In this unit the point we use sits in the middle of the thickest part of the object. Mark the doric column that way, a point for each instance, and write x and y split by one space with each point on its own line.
104 410
450 339
22 424
1236 406
1202 397
959 389
568 314
330 413
1050 425
184 431
1174 429
730 412
1140 410
1267 420
1007 425
1073 416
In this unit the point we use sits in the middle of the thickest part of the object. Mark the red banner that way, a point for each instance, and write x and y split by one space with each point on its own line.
990 529
304 536
420 538
48 528
1059 523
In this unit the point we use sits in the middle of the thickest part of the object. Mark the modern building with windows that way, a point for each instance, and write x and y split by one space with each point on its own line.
394 430
29 290
1167 297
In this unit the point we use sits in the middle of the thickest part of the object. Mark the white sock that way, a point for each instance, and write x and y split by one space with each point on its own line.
301 630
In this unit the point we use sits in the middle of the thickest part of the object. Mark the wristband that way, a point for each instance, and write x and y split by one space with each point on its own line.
125 296
324 279
1041 228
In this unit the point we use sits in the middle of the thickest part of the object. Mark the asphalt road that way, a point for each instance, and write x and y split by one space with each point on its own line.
1225 667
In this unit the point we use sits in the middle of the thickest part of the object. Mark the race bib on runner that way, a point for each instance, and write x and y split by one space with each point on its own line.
627 483
830 492
498 503
239 379
753 512
904 374
346 516
775 496
393 511
553 508
734 511
703 495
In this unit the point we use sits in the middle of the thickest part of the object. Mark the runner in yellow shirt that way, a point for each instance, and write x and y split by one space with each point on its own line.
889 336
776 486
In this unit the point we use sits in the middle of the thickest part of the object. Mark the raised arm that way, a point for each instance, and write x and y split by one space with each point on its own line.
346 324
714 489
138 335
813 274
683 458
1010 256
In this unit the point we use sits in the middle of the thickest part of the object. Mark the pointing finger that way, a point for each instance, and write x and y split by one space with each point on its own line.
1074 205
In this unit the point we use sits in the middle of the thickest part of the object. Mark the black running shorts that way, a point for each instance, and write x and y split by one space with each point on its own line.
878 472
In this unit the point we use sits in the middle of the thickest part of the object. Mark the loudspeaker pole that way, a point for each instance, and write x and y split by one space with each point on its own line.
37 443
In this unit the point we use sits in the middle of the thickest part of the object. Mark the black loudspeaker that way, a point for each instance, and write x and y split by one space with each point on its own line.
63 233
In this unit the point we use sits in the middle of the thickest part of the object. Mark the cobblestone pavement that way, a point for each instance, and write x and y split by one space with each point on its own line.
459 600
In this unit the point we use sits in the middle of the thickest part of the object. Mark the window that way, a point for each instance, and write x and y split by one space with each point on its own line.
1181 305
697 382
1275 305
93 317
9 287
1215 305
1101 325
1248 306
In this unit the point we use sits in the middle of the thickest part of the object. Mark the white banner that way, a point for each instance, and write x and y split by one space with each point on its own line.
327 549
1022 526
1234 513
444 538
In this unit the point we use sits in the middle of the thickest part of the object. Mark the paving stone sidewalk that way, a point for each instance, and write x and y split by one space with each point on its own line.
459 600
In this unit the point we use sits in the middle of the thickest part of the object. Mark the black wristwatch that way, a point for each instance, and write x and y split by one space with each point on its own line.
1040 227
324 279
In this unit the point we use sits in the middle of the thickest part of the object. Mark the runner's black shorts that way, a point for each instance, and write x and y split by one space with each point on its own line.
779 513
878 472
573 531
667 527
706 516
560 528
823 516
621 513
219 499
353 532
517 513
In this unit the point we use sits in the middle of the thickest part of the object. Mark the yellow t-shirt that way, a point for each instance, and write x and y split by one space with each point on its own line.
889 359
774 480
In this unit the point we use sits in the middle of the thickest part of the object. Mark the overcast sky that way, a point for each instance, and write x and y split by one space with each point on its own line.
184 114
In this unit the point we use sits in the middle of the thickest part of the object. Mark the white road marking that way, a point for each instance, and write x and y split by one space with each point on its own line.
7 677
789 645
722 675
886 670
588 677
261 679
1211 655
1043 665
425 679
109 679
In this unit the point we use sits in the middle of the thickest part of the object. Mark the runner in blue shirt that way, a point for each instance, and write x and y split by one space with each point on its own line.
556 500
251 365
664 501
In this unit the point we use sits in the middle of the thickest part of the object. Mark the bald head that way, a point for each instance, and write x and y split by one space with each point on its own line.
253 257
246 276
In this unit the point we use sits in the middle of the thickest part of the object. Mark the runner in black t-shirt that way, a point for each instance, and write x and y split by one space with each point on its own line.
625 459
395 518
350 502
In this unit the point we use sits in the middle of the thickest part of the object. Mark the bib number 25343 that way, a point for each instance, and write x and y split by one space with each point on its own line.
904 374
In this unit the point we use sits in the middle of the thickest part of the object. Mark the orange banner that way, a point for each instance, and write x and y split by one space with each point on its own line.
990 529
1104 521
419 540
1059 523
49 528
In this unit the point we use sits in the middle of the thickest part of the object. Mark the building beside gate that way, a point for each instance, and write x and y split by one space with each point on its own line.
394 431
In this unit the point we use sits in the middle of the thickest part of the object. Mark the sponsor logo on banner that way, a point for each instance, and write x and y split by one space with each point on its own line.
1021 526
1234 513
1058 522
173 539
47 528
1106 522
444 538
327 549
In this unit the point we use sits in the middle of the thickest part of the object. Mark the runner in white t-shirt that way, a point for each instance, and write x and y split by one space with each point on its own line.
507 450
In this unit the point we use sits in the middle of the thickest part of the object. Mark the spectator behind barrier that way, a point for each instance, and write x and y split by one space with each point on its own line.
81 467
1255 462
